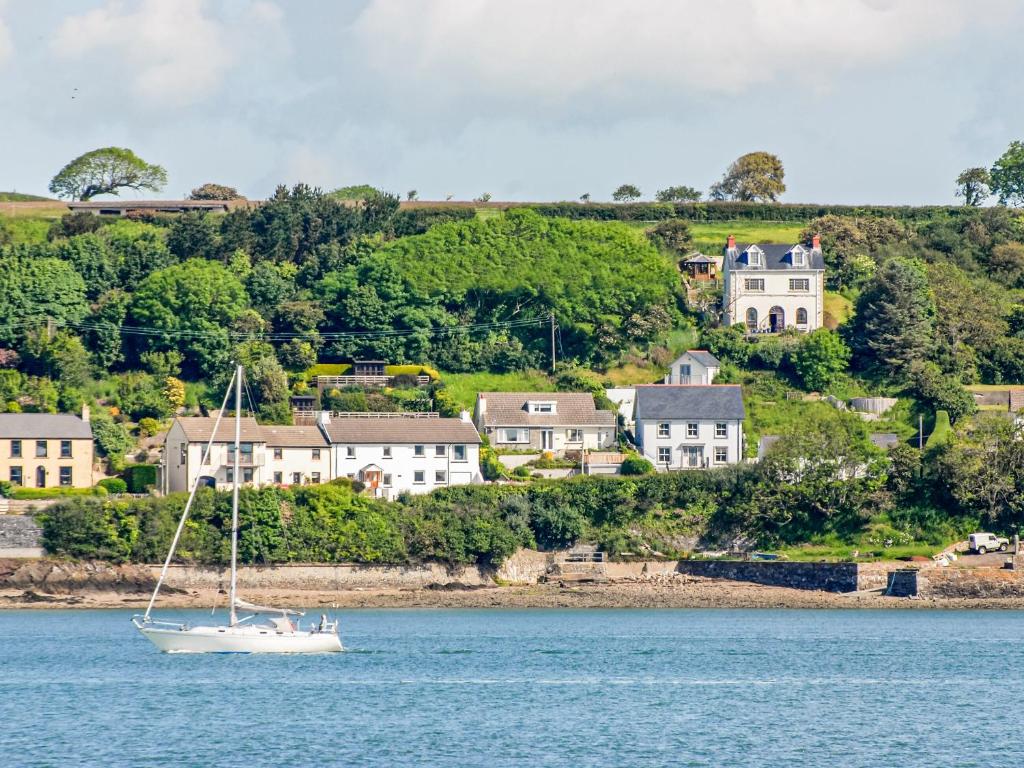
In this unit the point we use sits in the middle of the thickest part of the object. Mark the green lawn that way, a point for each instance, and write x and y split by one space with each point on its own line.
710 237
465 386
844 552
838 309
25 229
21 197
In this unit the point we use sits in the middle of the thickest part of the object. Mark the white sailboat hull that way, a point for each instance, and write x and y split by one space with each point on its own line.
240 639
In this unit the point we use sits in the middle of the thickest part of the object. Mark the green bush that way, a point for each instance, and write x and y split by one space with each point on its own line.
28 494
140 477
634 464
113 485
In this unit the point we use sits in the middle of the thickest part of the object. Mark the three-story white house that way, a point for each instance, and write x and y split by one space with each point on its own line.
769 288
690 426
392 454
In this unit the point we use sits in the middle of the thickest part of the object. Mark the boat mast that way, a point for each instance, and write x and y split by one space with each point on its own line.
234 492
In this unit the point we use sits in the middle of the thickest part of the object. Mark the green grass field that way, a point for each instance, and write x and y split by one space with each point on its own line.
464 386
838 309
21 197
710 237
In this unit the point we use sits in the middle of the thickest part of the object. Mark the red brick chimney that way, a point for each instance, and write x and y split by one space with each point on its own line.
816 242
731 242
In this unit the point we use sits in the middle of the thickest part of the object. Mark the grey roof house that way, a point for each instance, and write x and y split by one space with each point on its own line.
544 421
690 426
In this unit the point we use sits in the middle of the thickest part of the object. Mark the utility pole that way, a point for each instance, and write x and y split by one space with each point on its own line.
551 317
920 432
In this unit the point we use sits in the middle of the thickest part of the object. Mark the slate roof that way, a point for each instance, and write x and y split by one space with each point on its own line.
199 428
689 401
399 431
32 426
776 257
572 409
704 357
700 258
294 437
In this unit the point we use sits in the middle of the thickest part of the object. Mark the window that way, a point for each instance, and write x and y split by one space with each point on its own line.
801 316
297 478
517 436
316 454
65 476
15 449
65 449
721 455
182 453
314 478
754 257
664 455
440 477
721 429
801 284
279 478
751 319
41 449
545 407
246 475
245 455
387 480
16 477
754 284
574 435
279 454
692 430
417 450
350 451
419 477
440 450
230 474
458 453
387 451
799 259
664 429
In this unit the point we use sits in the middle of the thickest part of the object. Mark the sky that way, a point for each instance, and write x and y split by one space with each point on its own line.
865 101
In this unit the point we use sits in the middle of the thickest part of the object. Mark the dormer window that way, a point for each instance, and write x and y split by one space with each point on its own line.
541 406
798 256
755 257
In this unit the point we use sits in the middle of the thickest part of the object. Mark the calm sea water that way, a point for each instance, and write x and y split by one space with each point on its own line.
530 688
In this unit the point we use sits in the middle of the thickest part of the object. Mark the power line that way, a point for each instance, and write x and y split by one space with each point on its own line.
129 330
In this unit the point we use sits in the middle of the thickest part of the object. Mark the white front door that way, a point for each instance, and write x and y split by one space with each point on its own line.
693 456
547 439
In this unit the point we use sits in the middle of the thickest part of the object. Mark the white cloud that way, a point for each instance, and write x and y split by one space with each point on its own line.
171 53
553 51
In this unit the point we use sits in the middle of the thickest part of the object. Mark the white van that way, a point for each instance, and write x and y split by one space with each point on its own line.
986 542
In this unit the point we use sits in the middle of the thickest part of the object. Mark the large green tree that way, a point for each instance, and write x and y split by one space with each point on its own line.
755 176
1008 175
895 318
106 172
820 358
677 194
974 185
190 307
34 288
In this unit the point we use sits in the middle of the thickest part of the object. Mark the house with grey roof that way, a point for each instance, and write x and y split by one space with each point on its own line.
694 366
770 288
403 453
680 426
544 421
46 450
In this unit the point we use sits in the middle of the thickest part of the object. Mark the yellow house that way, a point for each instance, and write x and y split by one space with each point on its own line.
46 450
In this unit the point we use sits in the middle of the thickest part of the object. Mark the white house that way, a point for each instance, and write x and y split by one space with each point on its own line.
694 366
282 455
396 453
544 421
690 426
624 398
773 287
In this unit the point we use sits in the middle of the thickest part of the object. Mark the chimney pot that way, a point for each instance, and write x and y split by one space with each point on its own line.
731 243
816 242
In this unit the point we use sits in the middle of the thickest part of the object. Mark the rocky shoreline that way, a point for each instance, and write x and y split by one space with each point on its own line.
41 584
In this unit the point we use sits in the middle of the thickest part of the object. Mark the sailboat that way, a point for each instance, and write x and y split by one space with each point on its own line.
250 628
